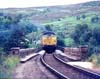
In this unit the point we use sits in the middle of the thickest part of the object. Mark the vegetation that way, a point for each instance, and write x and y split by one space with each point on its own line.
7 65
83 35
11 62
13 33
69 41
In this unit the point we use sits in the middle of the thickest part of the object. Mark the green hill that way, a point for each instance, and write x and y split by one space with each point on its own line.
62 19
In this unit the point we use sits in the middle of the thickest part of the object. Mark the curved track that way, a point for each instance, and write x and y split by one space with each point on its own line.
32 69
66 58
65 71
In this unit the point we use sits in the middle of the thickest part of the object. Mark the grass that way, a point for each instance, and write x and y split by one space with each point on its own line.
8 64
4 73
70 21
68 41
95 59
11 62
67 24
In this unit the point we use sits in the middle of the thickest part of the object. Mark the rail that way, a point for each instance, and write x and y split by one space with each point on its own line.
58 74
80 69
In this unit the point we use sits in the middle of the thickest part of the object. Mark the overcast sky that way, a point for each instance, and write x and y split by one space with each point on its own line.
35 3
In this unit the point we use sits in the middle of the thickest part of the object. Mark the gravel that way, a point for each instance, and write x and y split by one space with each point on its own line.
33 69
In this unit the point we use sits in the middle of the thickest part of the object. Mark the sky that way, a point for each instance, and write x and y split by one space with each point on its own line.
36 3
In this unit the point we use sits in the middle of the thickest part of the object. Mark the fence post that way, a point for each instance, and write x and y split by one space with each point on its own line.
84 50
15 51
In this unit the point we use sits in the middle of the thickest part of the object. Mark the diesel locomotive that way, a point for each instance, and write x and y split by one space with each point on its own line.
49 41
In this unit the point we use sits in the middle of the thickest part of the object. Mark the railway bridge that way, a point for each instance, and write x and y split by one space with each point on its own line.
36 64
74 52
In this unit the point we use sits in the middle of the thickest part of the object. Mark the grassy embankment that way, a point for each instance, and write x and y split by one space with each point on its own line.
7 64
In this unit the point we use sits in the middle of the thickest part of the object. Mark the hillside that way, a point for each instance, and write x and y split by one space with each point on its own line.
54 13
64 17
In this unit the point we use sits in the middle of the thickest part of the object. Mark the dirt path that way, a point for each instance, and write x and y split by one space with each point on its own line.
32 69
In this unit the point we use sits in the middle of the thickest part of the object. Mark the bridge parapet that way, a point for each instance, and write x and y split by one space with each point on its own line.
80 51
22 52
15 50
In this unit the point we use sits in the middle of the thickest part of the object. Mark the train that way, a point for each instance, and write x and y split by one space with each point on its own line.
49 42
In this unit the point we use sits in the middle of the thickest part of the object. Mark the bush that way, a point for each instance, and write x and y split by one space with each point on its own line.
60 42
69 41
6 66
4 73
93 59
11 62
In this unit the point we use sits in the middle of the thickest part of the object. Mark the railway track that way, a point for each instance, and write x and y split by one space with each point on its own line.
66 58
32 69
64 70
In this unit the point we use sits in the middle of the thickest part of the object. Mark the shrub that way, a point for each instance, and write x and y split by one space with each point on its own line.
69 41
11 62
93 59
4 73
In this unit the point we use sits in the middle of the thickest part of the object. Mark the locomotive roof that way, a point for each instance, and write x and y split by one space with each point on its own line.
49 32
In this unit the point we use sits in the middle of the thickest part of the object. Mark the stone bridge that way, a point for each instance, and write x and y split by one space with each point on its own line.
72 51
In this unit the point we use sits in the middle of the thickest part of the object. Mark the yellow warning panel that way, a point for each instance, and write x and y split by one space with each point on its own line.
49 40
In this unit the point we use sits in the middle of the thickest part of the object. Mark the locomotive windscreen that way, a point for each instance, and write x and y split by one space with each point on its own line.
49 33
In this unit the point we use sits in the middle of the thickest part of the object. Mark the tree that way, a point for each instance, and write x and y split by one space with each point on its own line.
17 39
80 35
69 41
96 34
95 19
29 27
48 28
60 42
86 36
77 17
4 36
83 16
93 41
